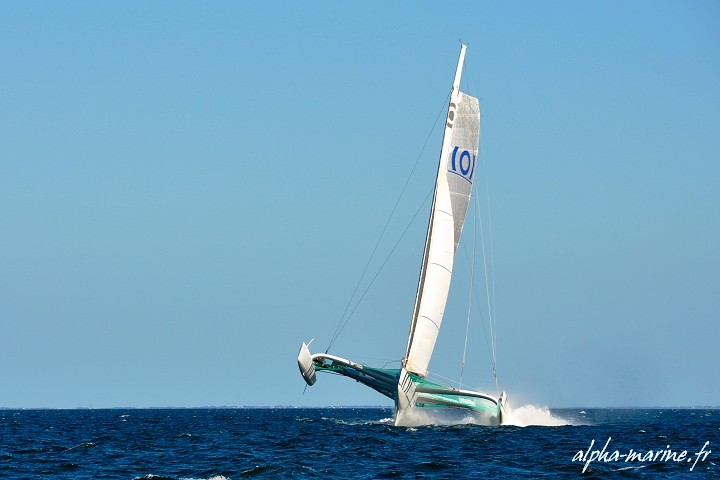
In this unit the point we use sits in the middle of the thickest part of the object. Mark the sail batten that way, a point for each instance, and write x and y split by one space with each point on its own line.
456 172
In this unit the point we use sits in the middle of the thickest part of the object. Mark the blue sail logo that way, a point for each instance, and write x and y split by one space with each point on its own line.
463 164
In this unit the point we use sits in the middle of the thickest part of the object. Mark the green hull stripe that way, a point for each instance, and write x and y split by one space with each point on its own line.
430 395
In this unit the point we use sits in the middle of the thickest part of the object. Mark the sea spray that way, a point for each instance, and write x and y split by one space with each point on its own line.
523 416
527 415
444 417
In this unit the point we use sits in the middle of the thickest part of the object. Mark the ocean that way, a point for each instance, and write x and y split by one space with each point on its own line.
236 443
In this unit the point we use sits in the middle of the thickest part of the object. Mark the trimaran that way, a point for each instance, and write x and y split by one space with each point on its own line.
407 386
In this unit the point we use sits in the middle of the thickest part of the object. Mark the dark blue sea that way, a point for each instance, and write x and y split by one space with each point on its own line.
236 443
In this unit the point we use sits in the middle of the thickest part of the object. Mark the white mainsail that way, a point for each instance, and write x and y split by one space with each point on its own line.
456 173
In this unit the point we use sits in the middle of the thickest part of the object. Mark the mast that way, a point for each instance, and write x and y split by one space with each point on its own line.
447 215
458 71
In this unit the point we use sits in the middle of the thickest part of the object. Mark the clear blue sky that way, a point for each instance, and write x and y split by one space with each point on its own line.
188 190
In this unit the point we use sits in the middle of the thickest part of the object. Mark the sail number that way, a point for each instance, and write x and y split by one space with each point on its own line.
463 163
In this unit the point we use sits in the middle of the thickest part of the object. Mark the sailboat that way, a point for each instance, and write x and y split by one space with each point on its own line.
416 398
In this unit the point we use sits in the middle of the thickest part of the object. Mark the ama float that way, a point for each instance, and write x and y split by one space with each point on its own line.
416 398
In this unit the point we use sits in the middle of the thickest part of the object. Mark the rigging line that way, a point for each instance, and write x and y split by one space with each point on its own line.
472 289
491 288
450 382
492 268
376 359
492 279
492 254
491 296
412 220
487 290
477 299
387 223
399 361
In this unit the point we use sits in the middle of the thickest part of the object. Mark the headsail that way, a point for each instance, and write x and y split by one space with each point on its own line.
456 173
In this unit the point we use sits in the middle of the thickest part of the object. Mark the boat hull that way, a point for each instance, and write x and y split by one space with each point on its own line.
417 401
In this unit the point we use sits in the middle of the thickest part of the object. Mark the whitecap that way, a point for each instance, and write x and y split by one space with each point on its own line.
216 477
631 467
